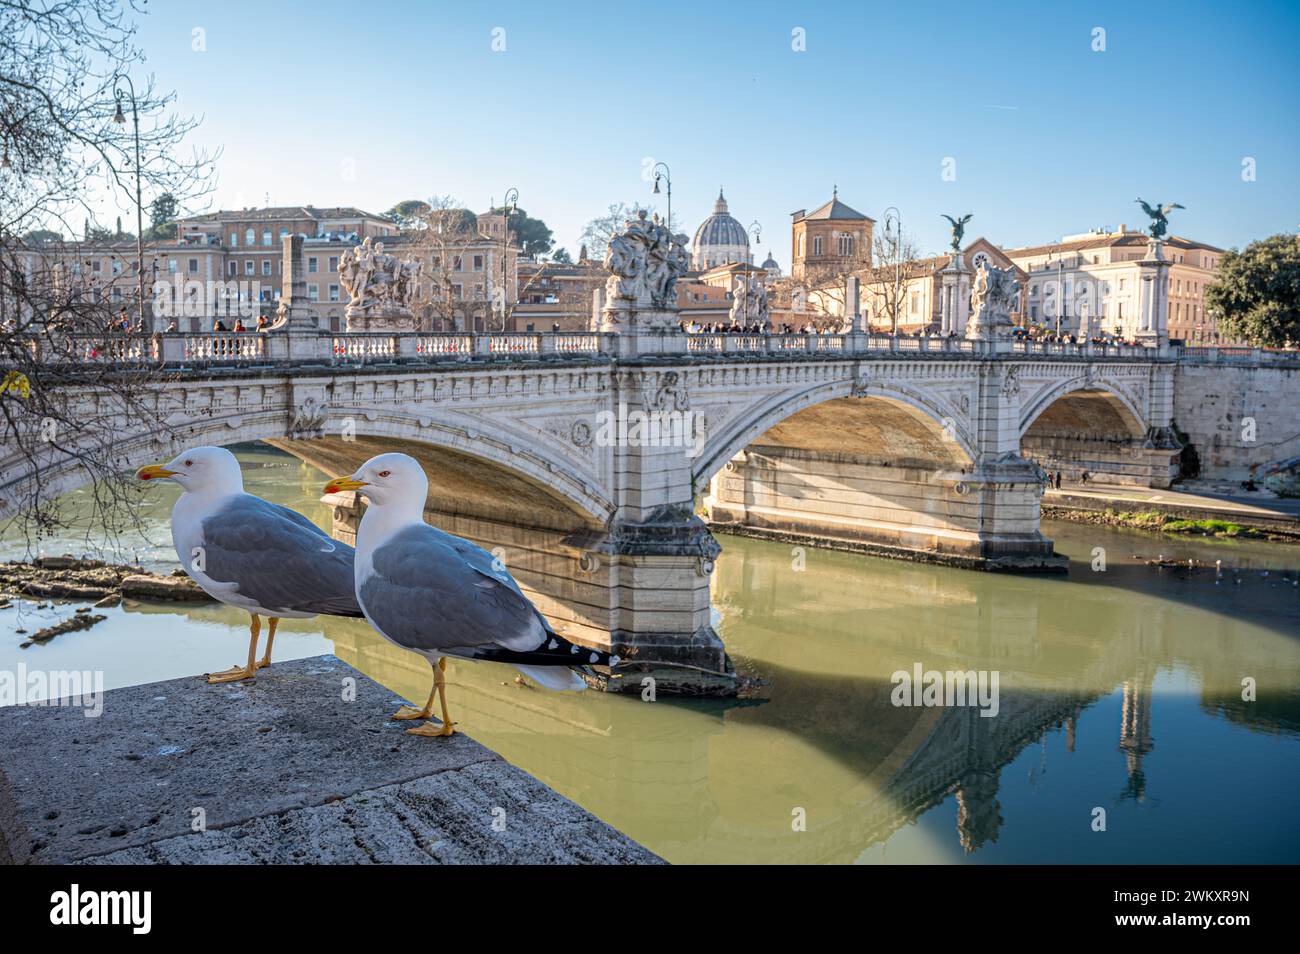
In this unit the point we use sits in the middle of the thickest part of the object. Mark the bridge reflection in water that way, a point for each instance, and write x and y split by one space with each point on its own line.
1096 677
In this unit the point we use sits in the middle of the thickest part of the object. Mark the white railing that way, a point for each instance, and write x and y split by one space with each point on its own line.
224 346
360 348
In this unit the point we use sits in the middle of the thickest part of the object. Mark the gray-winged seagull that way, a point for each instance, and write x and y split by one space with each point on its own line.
439 595
247 552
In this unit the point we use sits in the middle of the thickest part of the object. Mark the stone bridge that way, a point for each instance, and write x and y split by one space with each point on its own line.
598 470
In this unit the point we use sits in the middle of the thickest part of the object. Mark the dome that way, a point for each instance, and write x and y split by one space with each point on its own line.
771 267
720 239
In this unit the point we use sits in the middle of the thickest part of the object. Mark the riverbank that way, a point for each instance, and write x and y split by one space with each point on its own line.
302 766
1176 511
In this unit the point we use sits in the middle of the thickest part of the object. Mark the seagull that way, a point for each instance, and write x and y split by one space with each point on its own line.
439 595
247 552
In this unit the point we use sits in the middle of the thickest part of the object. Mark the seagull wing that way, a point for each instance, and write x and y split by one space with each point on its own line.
434 592
278 559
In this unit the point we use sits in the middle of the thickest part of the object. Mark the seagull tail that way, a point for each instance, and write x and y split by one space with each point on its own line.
557 663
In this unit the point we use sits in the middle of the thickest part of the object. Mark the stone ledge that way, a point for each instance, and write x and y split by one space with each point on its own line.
285 771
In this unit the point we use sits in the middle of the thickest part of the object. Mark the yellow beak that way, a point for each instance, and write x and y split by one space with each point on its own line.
154 472
340 484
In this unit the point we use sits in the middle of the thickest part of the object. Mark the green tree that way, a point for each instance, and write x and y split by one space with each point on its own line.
1257 292
531 234
162 217
409 212
43 235
561 257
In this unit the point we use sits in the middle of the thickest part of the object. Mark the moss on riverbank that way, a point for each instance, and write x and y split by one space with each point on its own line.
1159 522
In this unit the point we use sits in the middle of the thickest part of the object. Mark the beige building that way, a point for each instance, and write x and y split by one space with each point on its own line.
1090 281
228 266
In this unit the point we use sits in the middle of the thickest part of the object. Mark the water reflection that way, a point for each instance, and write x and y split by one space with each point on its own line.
1119 689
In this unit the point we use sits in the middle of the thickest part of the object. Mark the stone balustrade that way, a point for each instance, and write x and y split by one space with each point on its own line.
352 348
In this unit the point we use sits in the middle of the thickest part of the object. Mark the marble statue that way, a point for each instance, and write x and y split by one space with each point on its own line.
958 229
1159 217
372 277
749 303
646 260
993 298
380 288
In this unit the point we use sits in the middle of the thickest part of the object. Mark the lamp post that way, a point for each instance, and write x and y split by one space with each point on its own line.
667 176
120 119
755 231
509 205
894 235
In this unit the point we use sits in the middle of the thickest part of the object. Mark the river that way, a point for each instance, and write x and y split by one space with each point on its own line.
1120 699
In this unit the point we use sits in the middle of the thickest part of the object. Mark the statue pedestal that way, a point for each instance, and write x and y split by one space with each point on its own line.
955 304
1153 292
642 328
381 317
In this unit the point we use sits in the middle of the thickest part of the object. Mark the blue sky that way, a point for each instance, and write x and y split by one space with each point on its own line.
340 103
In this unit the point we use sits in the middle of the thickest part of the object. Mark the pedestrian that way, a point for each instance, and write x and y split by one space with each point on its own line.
1057 480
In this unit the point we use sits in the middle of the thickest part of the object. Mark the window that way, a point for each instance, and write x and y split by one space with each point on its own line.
458 292
334 293
478 263
234 239
234 268
915 306
311 264
250 237
817 245
172 268
248 266
457 264
313 292
266 267
94 266
334 263
801 246
266 236
193 266
116 267
846 246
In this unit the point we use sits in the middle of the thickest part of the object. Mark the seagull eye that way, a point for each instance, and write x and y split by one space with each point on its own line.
189 463
385 473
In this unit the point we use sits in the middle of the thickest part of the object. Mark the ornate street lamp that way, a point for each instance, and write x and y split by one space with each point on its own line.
666 175
120 119
509 205
894 235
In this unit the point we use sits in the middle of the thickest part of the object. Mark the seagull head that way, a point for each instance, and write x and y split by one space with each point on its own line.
387 479
199 470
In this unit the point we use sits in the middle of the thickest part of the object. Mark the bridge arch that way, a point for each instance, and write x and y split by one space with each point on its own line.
495 446
927 409
1087 399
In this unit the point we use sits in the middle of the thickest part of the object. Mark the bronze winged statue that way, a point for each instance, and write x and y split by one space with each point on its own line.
958 229
1159 217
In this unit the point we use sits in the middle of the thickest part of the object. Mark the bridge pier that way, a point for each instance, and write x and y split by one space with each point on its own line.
987 518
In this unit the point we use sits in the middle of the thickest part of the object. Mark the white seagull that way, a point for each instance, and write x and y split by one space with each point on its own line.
247 552
439 595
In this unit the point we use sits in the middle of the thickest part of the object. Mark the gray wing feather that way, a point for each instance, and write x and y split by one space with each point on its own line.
279 558
433 591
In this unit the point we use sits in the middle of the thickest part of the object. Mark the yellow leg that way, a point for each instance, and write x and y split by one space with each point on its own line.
410 712
236 673
439 689
270 638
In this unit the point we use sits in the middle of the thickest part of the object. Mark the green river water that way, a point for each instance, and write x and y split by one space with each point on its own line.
1119 689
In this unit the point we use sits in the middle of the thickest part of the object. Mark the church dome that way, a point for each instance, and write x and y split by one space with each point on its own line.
720 239
772 268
